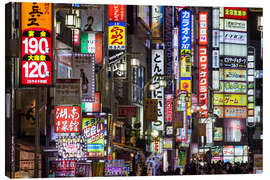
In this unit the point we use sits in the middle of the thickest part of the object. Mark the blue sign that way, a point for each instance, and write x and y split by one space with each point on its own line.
185 34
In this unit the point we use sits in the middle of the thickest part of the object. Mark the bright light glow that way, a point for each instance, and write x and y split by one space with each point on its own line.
122 67
58 29
162 83
154 133
135 62
152 87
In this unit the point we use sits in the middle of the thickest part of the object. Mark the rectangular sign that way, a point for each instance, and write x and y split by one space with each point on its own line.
215 38
185 33
233 37
126 111
150 109
157 21
92 43
215 80
176 67
203 28
230 112
218 133
83 67
232 49
157 145
83 170
169 108
76 37
233 25
158 69
92 106
167 143
203 82
67 119
65 165
233 74
230 99
233 87
117 12
92 18
233 62
215 59
235 13
215 21
117 36
94 129
36 43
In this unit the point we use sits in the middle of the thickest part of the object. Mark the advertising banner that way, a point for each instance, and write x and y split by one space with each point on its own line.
235 13
92 43
126 111
215 59
157 21
185 34
233 62
230 99
233 87
233 37
158 69
230 112
93 130
203 28
36 43
92 106
233 25
83 67
150 109
117 36
92 18
117 12
218 133
203 82
67 91
67 119
233 74
71 147
168 108
232 49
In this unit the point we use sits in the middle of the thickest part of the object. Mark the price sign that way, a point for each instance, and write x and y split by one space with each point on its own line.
36 44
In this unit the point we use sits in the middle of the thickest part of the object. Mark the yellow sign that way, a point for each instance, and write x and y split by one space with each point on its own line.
117 35
230 99
36 15
186 65
186 85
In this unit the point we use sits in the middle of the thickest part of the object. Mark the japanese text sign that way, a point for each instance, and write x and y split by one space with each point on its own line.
169 108
230 112
203 27
235 13
233 87
233 74
233 62
230 99
203 81
185 34
67 119
65 165
36 43
117 35
157 145
127 111
117 12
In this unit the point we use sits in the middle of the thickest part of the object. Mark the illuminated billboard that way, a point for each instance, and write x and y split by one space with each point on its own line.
233 74
232 87
230 99
233 25
230 112
235 13
117 12
203 28
117 36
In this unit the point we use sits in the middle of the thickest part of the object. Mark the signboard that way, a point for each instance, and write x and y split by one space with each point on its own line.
150 109
64 63
167 143
176 67
235 13
76 37
185 34
169 130
215 80
232 49
84 67
158 69
233 37
93 130
127 111
82 170
203 28
203 82
65 165
67 91
114 55
156 145
116 35
117 12
92 18
92 106
157 21
215 59
233 25
233 62
71 147
233 74
218 133
233 87
216 38
230 99
67 119
168 108
215 21
230 112
92 43
36 43
228 150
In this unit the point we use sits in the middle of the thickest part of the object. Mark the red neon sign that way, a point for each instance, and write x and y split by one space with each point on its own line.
203 82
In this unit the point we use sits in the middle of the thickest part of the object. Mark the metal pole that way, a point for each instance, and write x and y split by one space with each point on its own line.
37 136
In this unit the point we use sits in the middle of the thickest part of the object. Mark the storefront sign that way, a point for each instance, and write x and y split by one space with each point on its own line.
185 67
93 130
203 82
233 87
117 36
92 43
228 150
232 49
92 18
168 108
150 109
185 41
36 43
167 143
126 111
230 112
71 147
157 21
92 106
67 91
215 60
156 145
84 68
203 28
158 69
233 62
233 25
233 74
218 133
83 170
76 37
235 13
230 99
233 37
117 12
67 119
65 165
